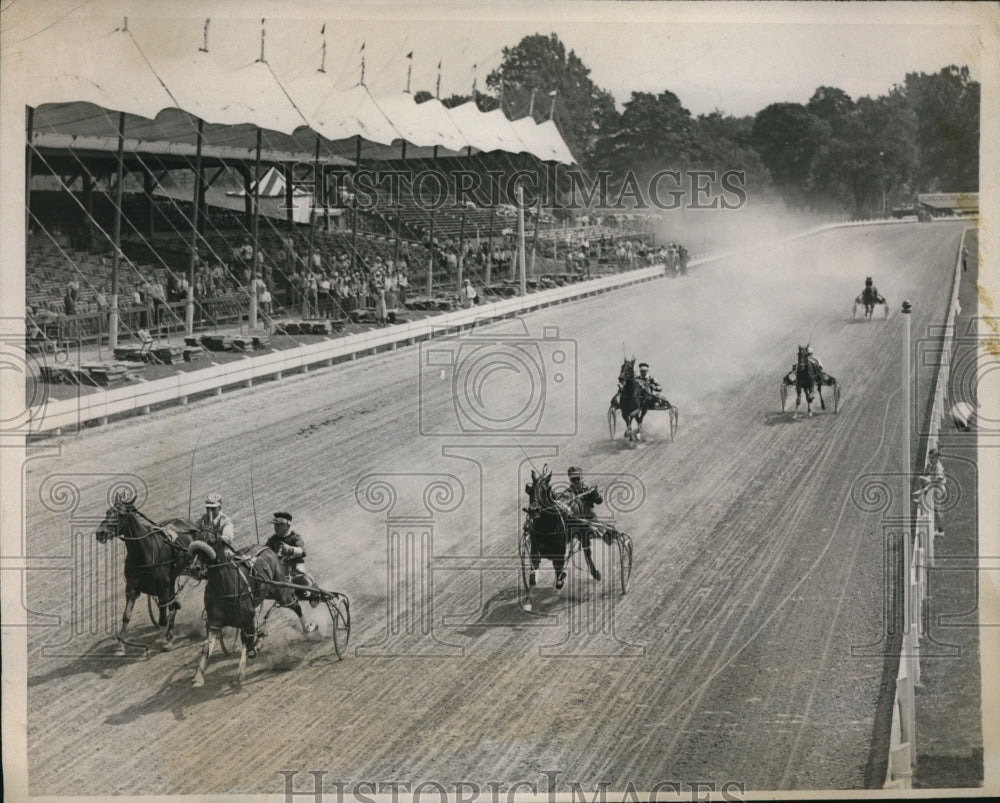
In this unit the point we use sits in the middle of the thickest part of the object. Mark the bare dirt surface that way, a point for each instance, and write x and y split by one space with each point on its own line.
757 567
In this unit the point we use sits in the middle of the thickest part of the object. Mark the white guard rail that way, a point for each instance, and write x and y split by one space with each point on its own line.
57 416
930 489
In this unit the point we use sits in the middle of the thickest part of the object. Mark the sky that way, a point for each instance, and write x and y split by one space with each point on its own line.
735 57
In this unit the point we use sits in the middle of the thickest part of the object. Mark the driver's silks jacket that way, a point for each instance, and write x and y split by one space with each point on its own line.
292 538
587 495
221 528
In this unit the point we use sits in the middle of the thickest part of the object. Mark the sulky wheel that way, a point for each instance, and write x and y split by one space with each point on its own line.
339 608
624 559
836 396
153 606
784 395
674 417
524 552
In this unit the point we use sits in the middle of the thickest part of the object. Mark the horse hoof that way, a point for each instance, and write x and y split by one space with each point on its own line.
532 580
198 683
527 606
560 580
312 627
168 646
596 574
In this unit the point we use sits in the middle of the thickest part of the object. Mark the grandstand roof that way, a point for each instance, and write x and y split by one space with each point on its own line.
81 73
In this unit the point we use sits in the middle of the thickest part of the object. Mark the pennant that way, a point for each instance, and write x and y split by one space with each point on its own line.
362 47
553 93
409 55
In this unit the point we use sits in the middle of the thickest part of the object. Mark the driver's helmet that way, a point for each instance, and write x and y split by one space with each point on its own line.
809 350
643 366
575 473
213 501
868 281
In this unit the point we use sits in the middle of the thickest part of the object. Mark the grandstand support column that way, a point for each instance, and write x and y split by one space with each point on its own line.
252 321
147 191
534 237
461 250
430 244
489 246
116 246
315 201
430 259
523 283
289 175
354 207
198 179
28 158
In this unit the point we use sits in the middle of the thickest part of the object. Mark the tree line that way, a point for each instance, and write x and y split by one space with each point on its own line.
833 153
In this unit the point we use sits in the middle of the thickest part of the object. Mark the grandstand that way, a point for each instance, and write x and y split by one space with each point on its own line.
118 242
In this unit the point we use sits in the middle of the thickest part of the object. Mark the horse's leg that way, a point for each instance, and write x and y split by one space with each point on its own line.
241 670
536 561
557 564
594 572
819 391
206 653
309 627
131 595
168 609
798 400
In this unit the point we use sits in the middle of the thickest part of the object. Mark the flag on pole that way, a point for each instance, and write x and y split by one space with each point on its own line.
553 93
409 55
362 48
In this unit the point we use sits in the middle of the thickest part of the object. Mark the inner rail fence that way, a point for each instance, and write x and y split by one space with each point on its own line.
918 559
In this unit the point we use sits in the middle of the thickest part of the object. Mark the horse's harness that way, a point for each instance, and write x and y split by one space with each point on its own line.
170 540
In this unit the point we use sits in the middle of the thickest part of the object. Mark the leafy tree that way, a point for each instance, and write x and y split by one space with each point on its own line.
654 132
946 105
723 143
541 63
788 137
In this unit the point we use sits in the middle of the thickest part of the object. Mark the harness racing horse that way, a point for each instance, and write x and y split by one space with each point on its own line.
550 529
237 585
869 298
155 556
807 378
633 402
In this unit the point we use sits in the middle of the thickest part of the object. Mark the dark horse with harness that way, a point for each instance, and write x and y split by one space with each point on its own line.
552 526
155 556
633 402
807 377
237 585
869 298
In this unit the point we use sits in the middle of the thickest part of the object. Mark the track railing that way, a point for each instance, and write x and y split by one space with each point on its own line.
69 414
929 489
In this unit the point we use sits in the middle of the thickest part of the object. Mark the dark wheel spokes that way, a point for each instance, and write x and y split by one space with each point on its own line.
624 542
339 608
524 553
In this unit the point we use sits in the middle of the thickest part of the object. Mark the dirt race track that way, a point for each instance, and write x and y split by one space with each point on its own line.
757 570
